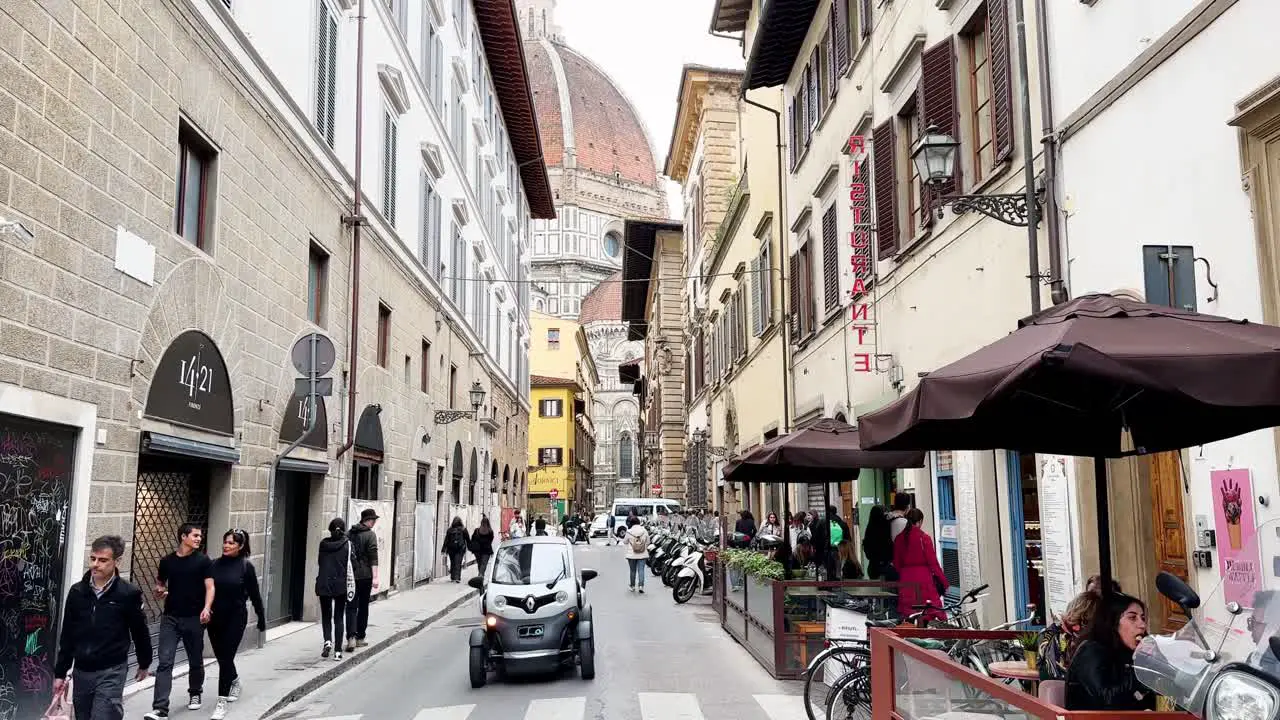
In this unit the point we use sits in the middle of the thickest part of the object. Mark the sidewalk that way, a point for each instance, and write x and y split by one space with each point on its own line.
289 667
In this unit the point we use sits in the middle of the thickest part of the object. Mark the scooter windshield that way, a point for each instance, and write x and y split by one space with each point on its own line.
1233 624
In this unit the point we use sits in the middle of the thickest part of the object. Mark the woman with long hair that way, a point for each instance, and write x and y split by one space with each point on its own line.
333 581
771 526
1100 676
847 560
1060 640
877 544
482 545
916 561
234 582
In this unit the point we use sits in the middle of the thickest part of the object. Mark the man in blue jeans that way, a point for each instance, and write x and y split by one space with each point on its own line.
185 581
636 544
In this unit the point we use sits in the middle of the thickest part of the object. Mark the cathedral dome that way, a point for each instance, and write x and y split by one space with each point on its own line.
584 120
604 302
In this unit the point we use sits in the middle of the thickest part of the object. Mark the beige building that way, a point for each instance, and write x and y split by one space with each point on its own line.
173 224
653 303
725 153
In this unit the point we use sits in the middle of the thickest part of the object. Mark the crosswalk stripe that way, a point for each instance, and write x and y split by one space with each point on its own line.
572 708
453 712
342 717
782 707
670 706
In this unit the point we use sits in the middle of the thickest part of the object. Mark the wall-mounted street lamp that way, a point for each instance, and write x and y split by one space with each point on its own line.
716 452
477 393
934 155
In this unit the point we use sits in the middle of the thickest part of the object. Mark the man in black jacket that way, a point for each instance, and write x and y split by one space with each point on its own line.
364 564
101 614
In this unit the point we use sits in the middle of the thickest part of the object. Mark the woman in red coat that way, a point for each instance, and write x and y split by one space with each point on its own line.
920 574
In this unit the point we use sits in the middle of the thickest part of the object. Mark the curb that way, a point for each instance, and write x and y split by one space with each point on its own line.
364 655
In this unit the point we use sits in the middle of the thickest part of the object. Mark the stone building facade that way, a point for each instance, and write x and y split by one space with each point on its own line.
186 228
617 414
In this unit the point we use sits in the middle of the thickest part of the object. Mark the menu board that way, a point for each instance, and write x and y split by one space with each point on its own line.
1057 472
967 518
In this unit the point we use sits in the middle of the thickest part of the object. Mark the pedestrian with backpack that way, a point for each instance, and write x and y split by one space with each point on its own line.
637 551
455 546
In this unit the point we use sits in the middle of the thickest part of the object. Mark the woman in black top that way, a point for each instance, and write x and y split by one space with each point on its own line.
1100 675
877 545
482 545
333 562
234 581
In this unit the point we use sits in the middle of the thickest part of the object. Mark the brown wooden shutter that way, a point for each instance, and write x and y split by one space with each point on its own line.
1001 79
938 95
795 281
810 101
829 44
830 261
792 117
864 18
840 38
883 148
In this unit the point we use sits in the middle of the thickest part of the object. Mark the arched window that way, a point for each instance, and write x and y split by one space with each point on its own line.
626 455
612 244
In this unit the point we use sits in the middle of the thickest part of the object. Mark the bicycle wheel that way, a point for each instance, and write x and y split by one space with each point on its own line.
841 659
850 697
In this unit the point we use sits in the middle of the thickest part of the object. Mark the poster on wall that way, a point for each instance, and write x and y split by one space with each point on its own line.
1240 564
967 518
1056 473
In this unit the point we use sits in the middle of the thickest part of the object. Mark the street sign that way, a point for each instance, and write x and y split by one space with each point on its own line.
656 489
301 354
554 493
302 387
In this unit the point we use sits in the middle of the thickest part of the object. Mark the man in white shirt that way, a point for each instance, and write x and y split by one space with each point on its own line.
516 528
902 502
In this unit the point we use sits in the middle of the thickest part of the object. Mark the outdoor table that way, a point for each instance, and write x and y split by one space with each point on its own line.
1016 670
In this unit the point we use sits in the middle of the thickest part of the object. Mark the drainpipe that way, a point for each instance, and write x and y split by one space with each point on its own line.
1028 158
355 221
1049 140
786 328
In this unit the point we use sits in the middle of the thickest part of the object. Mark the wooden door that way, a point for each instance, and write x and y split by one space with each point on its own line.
848 503
1169 527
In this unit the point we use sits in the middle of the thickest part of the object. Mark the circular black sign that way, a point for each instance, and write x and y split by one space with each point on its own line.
191 386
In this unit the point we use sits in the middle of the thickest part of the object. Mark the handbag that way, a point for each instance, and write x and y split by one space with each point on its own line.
351 575
60 707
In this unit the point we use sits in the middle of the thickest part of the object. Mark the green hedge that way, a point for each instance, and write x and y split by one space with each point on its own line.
753 563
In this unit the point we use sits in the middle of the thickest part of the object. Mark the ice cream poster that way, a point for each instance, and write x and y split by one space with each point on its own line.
1239 561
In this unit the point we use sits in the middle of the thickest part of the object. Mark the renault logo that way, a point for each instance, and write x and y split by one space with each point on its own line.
530 604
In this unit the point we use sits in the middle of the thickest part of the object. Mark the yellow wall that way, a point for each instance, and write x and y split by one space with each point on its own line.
557 363
551 432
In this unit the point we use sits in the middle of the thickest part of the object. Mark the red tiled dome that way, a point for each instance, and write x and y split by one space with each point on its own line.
604 302
604 130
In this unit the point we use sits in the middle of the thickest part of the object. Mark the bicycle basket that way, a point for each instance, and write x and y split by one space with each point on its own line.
958 620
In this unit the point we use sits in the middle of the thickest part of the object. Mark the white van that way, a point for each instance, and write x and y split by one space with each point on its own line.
642 507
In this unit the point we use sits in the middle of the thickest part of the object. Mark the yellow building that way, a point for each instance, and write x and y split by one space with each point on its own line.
563 379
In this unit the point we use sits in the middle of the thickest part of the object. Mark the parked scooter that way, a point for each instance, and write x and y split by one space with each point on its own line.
694 577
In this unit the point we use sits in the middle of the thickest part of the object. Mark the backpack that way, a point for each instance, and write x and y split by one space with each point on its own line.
457 540
637 543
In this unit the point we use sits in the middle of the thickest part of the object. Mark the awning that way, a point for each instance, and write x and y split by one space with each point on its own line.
158 444
777 42
640 243
629 372
300 465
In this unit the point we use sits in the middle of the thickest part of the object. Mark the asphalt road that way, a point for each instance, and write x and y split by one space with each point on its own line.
654 661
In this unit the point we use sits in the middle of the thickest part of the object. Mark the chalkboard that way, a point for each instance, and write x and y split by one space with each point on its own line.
36 465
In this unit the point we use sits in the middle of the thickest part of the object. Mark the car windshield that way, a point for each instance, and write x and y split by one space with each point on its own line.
530 564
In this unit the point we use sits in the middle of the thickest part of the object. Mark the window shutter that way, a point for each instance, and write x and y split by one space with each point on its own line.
883 147
326 72
742 323
829 44
755 297
424 238
794 278
437 262
793 149
864 18
830 261
815 91
840 38
1001 79
938 97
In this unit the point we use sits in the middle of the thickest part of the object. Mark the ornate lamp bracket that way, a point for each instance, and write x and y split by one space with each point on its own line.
444 417
1009 209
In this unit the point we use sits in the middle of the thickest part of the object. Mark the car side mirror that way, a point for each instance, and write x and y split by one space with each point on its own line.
476 582
588 576
1174 588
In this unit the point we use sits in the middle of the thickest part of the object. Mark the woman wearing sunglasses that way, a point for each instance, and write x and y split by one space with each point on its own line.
234 581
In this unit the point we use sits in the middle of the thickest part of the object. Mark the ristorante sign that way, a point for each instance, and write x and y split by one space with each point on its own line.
861 259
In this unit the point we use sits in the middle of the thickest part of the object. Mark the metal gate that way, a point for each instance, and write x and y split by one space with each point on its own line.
167 498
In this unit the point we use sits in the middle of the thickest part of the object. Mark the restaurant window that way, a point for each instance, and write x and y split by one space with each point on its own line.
193 216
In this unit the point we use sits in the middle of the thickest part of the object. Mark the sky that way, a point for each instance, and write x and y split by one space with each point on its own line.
643 45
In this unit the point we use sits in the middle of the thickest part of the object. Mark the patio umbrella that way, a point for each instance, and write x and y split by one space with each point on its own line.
826 452
1073 378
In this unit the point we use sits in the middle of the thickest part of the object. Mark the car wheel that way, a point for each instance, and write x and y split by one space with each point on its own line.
587 658
683 590
479 673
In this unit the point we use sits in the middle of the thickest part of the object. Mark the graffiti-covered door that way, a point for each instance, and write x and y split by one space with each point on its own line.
36 461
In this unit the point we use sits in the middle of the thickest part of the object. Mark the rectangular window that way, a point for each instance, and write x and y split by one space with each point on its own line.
366 480
885 179
550 456
390 150
551 408
317 280
408 369
384 334
453 386
424 372
830 261
459 268
983 147
193 216
1169 275
429 250
326 71
460 18
804 281
913 193
553 338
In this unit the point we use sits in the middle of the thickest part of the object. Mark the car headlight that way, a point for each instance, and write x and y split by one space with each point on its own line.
562 597
499 602
1240 696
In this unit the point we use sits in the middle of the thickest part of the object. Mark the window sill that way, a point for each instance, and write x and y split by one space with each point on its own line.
804 153
827 112
832 315
999 172
919 240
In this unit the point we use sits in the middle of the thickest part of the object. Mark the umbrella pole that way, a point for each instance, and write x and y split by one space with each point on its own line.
1101 498
786 514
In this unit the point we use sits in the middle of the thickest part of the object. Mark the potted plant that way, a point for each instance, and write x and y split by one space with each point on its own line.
1029 642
